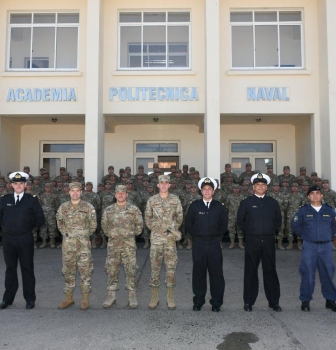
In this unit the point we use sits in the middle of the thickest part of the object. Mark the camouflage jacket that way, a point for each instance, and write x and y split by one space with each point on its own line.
92 198
48 201
122 223
76 222
232 202
163 213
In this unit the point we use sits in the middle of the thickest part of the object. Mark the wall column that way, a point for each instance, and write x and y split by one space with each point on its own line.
94 119
212 105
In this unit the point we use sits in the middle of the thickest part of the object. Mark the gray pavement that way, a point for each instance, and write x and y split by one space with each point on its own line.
46 327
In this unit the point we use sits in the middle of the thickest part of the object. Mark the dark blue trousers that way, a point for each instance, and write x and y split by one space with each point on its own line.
317 256
207 257
19 249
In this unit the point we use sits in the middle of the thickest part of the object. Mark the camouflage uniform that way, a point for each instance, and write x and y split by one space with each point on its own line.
77 223
232 205
145 197
162 214
294 204
49 206
94 199
121 225
283 203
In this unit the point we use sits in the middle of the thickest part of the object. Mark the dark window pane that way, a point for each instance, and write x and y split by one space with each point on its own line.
252 147
21 18
179 17
135 62
290 16
154 17
44 18
128 17
265 16
157 48
241 16
157 147
178 48
63 148
68 18
177 61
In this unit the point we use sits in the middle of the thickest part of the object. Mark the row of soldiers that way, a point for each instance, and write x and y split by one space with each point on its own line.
290 194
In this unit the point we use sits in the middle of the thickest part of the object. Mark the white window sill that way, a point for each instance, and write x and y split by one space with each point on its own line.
154 72
270 72
41 74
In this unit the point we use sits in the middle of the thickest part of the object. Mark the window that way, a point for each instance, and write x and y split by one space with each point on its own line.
154 40
43 41
266 39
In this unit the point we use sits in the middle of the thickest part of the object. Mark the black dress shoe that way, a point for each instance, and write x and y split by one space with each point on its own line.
305 306
248 307
331 305
30 305
197 308
216 308
275 307
4 304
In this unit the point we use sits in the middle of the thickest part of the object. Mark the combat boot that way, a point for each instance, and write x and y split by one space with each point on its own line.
189 246
44 243
133 303
52 242
300 244
155 299
179 245
104 242
111 299
35 246
85 303
68 301
93 243
240 243
290 245
232 245
60 246
280 246
170 299
146 243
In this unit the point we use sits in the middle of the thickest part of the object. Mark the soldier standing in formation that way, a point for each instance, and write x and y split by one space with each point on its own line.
163 216
121 222
76 221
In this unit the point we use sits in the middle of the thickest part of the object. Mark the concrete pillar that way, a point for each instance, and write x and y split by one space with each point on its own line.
212 105
94 119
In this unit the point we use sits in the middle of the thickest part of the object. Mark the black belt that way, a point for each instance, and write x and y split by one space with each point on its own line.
321 242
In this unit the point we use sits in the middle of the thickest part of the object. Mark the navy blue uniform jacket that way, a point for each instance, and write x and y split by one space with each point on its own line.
21 219
315 226
203 222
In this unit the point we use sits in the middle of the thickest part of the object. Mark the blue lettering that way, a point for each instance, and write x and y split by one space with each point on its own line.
193 95
183 93
170 94
28 95
143 95
261 94
46 95
18 95
113 92
137 94
152 94
251 94
269 93
10 95
122 94
177 94
129 94
160 93
65 95
284 95
72 95
277 95
56 95
37 95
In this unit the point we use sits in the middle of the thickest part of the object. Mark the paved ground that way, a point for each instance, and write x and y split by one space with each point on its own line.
46 327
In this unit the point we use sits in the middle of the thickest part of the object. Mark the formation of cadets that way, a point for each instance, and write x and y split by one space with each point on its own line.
289 190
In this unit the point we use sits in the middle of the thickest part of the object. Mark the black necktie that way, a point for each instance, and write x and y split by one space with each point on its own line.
207 205
17 200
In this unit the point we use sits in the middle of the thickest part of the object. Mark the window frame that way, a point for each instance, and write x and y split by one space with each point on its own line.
276 23
33 25
165 24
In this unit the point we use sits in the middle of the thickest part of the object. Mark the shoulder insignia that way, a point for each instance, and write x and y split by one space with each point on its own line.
34 195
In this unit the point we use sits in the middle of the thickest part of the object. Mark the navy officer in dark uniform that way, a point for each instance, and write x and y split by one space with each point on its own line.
207 221
315 223
20 213
258 217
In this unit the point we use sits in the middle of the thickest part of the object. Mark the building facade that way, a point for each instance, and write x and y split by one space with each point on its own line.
88 84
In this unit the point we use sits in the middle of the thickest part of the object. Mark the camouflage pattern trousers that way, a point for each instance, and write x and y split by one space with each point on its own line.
118 252
233 228
50 224
163 248
77 253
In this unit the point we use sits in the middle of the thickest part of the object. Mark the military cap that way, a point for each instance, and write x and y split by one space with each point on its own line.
294 184
207 181
110 167
269 166
121 169
113 174
260 178
74 178
151 185
193 184
89 183
100 184
79 170
318 179
43 169
62 168
73 185
284 180
36 178
121 188
185 166
145 179
286 167
29 182
173 181
47 184
196 172
173 167
325 180
26 167
313 188
18 176
235 186
158 171
66 174
305 183
66 184
248 164
179 171
192 168
129 181
156 165
2 184
2 177
164 178
303 168
127 168
46 172
227 164
314 173
59 181
276 183
187 181
140 167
